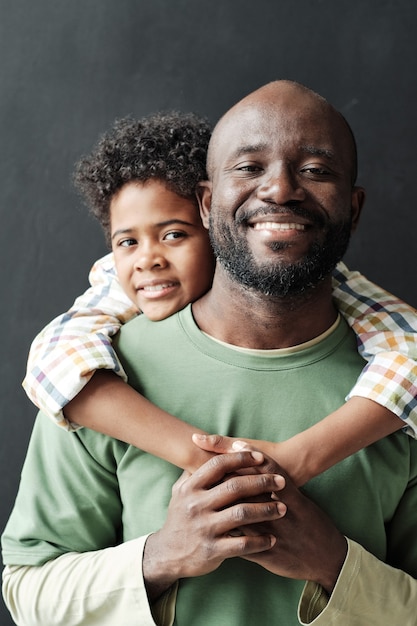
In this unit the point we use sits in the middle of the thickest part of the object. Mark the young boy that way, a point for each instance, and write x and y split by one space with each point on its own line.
140 182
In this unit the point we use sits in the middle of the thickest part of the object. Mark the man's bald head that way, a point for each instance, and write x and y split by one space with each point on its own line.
274 99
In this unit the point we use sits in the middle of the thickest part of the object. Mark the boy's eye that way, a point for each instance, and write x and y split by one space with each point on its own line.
126 243
174 234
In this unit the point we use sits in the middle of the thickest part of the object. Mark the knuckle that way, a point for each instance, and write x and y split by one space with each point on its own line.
242 544
192 508
240 514
264 482
233 485
216 440
217 461
269 509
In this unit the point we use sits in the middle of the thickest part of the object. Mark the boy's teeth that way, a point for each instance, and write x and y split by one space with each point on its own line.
277 226
156 287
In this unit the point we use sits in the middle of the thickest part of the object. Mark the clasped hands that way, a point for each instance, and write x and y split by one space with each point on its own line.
280 528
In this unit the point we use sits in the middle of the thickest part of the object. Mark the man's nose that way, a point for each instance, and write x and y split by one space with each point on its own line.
281 186
149 256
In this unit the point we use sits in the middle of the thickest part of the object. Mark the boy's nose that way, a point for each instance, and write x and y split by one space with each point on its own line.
149 257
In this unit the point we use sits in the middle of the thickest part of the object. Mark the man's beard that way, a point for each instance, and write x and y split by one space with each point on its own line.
279 278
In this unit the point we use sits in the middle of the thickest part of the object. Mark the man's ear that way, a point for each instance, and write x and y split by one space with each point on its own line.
203 193
358 200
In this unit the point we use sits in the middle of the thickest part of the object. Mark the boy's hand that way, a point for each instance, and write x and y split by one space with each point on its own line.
286 453
221 444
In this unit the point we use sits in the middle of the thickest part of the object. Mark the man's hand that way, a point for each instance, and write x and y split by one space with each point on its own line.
205 510
308 545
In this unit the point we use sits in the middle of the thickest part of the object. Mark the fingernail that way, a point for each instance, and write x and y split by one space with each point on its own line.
258 456
279 481
238 445
282 508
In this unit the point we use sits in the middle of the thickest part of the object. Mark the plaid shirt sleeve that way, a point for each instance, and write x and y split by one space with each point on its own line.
386 330
64 355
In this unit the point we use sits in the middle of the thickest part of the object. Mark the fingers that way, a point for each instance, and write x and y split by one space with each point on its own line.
246 545
247 488
215 470
214 443
268 465
220 444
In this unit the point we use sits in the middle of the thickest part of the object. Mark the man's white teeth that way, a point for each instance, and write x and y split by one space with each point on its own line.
157 287
277 226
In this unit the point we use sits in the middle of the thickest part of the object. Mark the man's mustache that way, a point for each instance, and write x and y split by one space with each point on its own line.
315 218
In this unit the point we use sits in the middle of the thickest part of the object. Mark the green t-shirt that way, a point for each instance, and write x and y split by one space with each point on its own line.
87 491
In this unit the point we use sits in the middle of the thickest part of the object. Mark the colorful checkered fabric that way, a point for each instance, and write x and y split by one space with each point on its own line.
64 356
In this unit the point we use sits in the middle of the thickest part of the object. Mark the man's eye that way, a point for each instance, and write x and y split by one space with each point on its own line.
317 171
126 243
248 168
174 234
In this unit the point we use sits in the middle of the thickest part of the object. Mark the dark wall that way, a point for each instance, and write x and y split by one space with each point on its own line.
67 69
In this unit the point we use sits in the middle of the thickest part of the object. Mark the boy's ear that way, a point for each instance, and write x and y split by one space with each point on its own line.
203 193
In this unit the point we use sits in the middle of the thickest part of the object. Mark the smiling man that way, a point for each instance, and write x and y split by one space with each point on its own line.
302 179
267 352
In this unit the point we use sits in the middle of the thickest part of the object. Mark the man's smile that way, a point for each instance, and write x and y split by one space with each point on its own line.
278 226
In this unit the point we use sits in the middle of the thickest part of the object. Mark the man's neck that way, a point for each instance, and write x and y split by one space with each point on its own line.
246 318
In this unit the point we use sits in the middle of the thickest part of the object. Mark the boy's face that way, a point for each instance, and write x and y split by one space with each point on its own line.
162 251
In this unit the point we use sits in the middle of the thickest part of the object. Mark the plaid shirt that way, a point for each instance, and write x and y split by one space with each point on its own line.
65 355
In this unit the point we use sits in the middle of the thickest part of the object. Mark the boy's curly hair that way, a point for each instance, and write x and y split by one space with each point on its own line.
168 147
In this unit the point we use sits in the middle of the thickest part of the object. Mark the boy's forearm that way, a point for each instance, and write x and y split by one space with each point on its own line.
110 406
356 424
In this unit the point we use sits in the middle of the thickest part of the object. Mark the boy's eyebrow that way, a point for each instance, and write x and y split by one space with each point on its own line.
127 231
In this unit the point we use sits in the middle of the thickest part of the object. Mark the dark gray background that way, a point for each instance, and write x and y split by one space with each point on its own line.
67 69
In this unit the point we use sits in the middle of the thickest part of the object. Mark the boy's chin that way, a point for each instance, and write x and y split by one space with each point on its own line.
158 313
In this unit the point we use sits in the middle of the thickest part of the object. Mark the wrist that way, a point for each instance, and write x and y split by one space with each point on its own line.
295 459
332 566
158 573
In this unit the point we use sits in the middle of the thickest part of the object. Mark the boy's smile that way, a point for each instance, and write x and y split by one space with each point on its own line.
161 249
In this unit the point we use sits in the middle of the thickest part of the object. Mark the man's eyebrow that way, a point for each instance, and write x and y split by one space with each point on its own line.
247 149
314 151
129 231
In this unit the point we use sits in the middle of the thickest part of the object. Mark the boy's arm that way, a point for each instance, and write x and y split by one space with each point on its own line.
71 376
355 425
110 406
64 356
386 330
383 399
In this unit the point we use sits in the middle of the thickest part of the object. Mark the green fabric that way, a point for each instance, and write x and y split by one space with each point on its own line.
76 489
